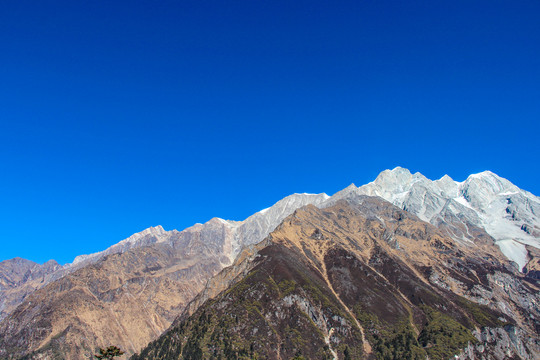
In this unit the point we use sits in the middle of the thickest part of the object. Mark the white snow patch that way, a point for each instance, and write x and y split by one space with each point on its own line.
515 251
309 194
509 193
224 221
397 198
463 202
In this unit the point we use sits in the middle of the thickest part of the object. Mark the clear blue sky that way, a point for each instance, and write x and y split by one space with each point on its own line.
119 115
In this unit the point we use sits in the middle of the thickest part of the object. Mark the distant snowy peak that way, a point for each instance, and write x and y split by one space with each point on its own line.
447 186
256 227
229 235
478 190
152 230
291 203
484 200
148 236
393 185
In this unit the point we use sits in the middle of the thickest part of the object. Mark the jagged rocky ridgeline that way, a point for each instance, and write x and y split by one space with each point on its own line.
130 293
361 279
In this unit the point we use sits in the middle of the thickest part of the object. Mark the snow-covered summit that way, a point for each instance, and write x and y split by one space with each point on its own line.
393 185
484 200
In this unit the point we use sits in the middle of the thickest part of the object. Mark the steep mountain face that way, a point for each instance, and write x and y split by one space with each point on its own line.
126 299
146 237
442 245
20 277
483 201
360 279
130 293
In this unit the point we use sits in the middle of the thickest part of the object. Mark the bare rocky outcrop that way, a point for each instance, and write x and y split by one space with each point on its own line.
20 277
485 207
369 278
130 293
500 343
441 243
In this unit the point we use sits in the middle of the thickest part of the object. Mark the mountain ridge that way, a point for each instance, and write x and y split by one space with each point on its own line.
155 254
483 200
264 291
170 272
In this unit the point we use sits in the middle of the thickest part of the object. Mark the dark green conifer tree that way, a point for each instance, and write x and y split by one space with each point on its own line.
109 353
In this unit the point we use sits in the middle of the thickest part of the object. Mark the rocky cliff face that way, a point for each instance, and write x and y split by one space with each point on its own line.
464 210
20 277
360 279
130 293
442 245
146 237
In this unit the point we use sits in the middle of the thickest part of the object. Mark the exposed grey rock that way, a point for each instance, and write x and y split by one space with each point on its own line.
19 277
225 238
483 203
480 210
501 343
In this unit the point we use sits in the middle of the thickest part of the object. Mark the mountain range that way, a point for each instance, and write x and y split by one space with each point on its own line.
370 272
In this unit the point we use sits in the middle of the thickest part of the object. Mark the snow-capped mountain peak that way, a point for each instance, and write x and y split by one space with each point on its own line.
484 200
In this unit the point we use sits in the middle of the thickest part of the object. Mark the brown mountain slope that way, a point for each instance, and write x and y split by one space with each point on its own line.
20 277
361 279
125 299
129 297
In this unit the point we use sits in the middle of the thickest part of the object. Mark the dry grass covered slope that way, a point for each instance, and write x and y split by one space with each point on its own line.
358 280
